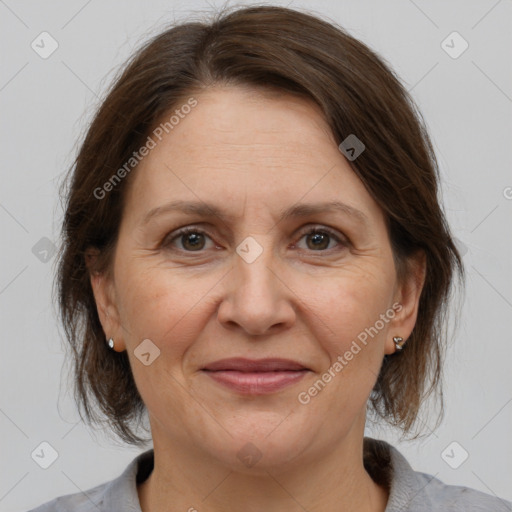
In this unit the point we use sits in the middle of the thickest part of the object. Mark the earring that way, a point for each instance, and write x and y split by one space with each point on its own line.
111 343
399 343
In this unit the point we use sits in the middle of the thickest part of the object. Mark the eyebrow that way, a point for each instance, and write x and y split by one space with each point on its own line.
298 210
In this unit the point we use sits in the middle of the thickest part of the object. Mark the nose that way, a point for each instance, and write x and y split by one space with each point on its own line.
257 300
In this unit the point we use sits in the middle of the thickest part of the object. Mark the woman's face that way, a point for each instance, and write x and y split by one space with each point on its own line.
254 283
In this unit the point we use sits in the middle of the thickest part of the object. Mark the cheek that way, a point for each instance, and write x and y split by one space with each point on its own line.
159 305
353 308
163 306
351 304
353 345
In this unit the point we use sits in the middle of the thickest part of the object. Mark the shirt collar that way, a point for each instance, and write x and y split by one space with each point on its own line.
387 465
121 493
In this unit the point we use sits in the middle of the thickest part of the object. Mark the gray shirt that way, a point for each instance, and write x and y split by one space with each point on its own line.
410 491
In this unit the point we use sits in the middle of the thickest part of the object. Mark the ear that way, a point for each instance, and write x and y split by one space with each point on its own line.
407 294
104 296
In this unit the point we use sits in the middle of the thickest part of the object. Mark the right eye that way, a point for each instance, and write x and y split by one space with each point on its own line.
191 238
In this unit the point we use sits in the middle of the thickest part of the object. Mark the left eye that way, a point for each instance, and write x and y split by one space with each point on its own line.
194 240
320 238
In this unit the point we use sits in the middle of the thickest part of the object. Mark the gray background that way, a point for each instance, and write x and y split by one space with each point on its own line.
46 104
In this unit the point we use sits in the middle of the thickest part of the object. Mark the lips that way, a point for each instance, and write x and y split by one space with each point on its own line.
241 364
255 377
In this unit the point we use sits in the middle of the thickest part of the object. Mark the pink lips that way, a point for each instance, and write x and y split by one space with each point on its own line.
255 377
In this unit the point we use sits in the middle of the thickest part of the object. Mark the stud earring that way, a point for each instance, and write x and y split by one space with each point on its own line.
399 343
111 343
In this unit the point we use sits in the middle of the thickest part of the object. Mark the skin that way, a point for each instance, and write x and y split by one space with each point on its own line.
254 154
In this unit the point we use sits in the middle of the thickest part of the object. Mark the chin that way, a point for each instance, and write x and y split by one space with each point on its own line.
263 442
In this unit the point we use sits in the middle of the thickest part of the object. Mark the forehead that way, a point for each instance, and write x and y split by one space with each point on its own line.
229 124
240 145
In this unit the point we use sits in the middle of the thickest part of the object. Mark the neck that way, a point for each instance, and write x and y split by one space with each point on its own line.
334 481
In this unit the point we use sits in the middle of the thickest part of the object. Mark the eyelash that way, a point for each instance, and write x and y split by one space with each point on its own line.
314 230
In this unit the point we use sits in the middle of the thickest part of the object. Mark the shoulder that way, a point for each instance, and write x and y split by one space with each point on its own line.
88 501
413 491
455 498
118 494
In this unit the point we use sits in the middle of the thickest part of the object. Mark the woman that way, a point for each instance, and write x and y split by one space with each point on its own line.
254 253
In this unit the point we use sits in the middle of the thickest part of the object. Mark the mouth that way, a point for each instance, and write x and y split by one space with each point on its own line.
255 377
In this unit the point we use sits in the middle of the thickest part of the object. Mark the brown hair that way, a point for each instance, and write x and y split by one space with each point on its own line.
290 52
